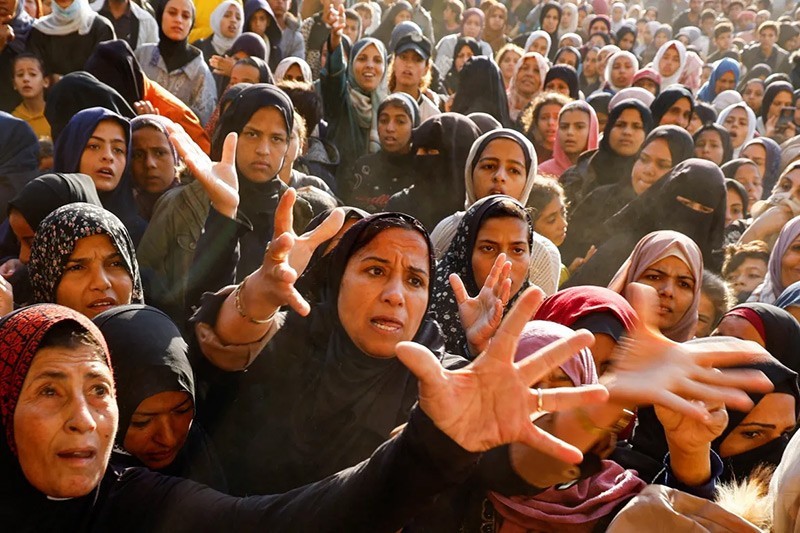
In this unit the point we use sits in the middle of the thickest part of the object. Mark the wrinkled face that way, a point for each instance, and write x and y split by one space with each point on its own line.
472 27
383 295
748 176
394 130
627 134
771 418
746 277
725 82
177 20
670 62
507 64
735 207
753 95
567 58
679 114
152 164
65 421
159 428
539 45
653 163
368 68
550 21
500 170
262 145
547 125
782 99
790 264
557 85
242 73
737 124
232 22
104 156
552 221
758 155
463 54
573 131
409 67
622 72
95 278
705 316
529 79
507 235
23 232
259 22
674 281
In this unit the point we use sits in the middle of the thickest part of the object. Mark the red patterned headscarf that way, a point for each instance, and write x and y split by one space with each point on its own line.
21 334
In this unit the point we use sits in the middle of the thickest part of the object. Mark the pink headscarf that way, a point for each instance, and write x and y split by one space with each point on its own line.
600 7
560 161
581 506
653 248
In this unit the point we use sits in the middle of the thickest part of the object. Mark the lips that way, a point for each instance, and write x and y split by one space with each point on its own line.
102 304
158 457
105 172
78 456
386 324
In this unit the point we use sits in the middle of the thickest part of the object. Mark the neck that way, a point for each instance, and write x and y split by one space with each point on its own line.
410 90
285 174
117 7
35 104
281 22
573 158
521 100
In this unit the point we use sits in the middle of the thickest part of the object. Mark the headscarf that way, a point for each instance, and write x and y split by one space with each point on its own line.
114 63
569 76
223 44
160 123
680 143
176 54
376 15
610 66
725 99
489 96
772 170
572 50
67 158
773 286
666 81
708 91
625 29
724 136
598 309
251 44
21 24
472 12
539 34
600 102
473 45
512 85
458 260
406 27
77 91
738 188
560 161
19 152
751 123
287 63
272 52
570 35
761 71
790 297
667 99
384 31
692 71
573 25
485 122
21 334
634 93
227 97
607 163
553 40
585 503
480 144
648 73
777 328
45 194
365 105
56 238
653 248
496 38
405 101
78 17
770 92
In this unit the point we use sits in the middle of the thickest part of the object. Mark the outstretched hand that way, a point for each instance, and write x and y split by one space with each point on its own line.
489 402
688 433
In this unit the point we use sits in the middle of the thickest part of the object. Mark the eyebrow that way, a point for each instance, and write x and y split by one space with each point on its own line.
81 260
490 241
101 139
680 276
184 402
759 424
497 159
386 262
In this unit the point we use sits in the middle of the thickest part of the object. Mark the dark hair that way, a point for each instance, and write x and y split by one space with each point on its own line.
543 192
721 28
70 335
505 209
305 100
28 55
705 112
735 255
456 6
531 115
771 24
708 14
379 226
713 287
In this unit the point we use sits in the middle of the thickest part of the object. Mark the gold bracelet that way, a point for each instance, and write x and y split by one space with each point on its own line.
590 427
240 306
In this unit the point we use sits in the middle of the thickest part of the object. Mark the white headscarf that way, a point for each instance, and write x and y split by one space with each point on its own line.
78 17
667 81
543 68
573 25
535 35
223 44
573 36
751 123
610 67
287 63
726 99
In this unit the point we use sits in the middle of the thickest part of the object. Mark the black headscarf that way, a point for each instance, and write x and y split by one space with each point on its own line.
458 260
19 155
176 54
730 168
251 44
724 136
770 92
608 165
574 51
113 63
761 71
273 32
77 91
772 164
439 187
667 98
488 96
21 24
600 102
554 35
384 31
741 191
681 145
485 122
624 30
566 73
47 193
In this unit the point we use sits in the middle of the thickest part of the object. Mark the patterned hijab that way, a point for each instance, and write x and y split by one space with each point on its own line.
56 238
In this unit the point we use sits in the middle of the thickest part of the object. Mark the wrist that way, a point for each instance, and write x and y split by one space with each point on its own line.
690 465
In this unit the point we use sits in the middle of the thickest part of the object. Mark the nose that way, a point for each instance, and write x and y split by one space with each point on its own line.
666 288
166 435
80 417
100 280
500 175
262 148
107 154
24 252
150 161
393 291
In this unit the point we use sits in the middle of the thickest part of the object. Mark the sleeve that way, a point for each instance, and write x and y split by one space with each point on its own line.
205 95
381 494
706 490
298 48
148 29
444 55
153 250
333 82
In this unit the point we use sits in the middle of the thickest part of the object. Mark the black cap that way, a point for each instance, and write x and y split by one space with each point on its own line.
416 42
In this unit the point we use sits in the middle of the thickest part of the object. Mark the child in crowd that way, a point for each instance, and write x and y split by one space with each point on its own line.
30 81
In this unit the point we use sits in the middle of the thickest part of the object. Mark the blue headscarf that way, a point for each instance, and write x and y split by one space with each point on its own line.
789 297
708 92
67 158
22 23
773 163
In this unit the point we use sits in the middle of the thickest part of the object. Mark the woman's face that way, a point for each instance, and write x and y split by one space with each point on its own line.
244 74
746 277
782 99
598 26
383 295
463 54
705 316
23 232
647 35
159 428
104 155
660 38
539 45
573 131
507 64
735 207
506 235
567 58
259 22
674 281
95 278
709 147
394 130
368 68
679 114
529 79
627 42
753 95
789 184
65 421
402 16
497 20
552 222
725 82
627 134
550 21
177 20
472 27
547 125
790 264
557 85
749 177
737 124
500 170
652 164
566 18
670 62
152 164
622 72
294 73
771 418
756 153
409 68
590 64
231 22
602 350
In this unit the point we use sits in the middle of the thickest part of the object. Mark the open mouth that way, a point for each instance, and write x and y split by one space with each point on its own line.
105 172
78 455
389 325
103 304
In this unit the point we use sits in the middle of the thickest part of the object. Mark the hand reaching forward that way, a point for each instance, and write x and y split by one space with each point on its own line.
689 434
489 402
219 180
481 315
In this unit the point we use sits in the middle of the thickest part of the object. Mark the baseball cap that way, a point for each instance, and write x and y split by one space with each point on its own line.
416 42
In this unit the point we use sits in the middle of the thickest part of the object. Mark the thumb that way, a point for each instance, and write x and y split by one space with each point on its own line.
421 362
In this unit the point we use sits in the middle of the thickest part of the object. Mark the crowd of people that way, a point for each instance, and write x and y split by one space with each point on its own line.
411 265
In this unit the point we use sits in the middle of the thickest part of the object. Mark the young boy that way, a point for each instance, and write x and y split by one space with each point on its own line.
30 82
723 39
